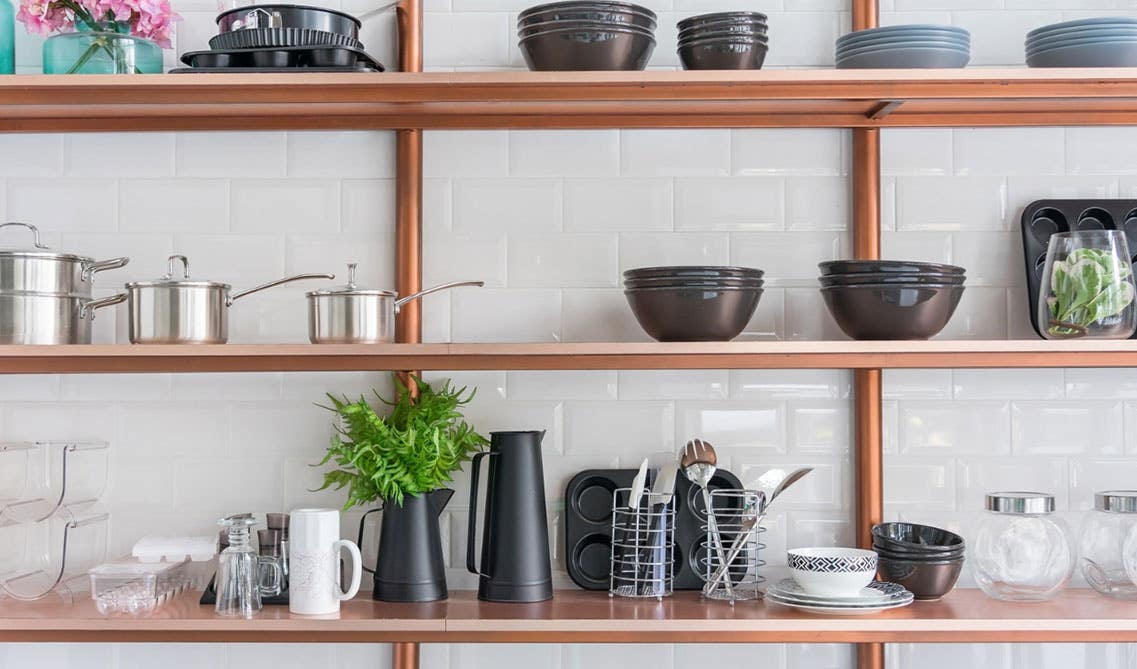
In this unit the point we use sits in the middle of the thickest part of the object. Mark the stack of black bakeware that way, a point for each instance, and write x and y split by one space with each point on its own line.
724 41
588 526
891 299
587 35
693 302
273 38
924 559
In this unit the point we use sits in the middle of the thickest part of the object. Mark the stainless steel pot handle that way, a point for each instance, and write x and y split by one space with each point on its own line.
271 284
102 265
453 284
29 226
92 305
170 266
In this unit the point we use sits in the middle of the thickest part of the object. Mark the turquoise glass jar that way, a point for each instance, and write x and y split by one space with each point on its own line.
7 38
102 49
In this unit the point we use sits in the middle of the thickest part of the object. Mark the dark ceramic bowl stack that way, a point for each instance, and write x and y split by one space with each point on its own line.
924 559
586 35
891 299
724 41
693 302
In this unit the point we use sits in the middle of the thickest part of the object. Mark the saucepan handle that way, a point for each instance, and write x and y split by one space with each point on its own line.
434 289
272 284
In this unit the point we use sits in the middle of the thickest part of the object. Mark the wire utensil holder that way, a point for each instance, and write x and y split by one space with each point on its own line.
643 546
738 515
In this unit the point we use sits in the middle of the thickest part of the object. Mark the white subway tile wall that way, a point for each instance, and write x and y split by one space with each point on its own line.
548 220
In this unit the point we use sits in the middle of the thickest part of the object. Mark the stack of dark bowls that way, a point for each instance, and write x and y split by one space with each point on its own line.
693 302
926 560
891 299
586 35
724 41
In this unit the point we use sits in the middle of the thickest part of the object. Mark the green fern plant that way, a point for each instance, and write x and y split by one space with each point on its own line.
413 450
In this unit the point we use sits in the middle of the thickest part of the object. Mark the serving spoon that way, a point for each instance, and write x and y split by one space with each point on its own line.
699 463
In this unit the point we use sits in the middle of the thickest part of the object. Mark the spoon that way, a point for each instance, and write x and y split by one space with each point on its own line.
752 513
699 463
786 481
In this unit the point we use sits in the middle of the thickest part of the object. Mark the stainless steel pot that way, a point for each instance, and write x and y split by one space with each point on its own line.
351 315
39 270
43 318
180 311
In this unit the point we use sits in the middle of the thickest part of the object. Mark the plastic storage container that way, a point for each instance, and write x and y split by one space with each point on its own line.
1022 551
1102 545
54 553
56 474
136 588
7 38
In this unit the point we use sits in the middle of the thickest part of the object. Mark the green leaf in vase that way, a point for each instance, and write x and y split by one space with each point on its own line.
1112 301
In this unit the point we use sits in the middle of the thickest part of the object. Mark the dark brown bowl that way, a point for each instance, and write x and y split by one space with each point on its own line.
919 556
546 26
875 311
925 580
614 13
893 266
676 271
724 29
889 278
572 49
718 17
900 536
693 314
682 282
604 18
733 53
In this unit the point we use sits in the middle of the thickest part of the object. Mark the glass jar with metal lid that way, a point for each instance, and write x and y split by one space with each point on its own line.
1103 543
1022 551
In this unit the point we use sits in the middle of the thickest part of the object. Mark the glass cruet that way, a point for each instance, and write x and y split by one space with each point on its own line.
239 582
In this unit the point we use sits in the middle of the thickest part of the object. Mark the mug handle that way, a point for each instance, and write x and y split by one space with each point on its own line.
356 568
275 584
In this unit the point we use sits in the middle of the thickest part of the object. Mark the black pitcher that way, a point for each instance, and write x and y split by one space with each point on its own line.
409 565
515 542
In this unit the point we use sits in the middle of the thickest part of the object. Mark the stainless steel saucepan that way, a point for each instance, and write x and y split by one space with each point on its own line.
181 311
41 270
354 315
49 318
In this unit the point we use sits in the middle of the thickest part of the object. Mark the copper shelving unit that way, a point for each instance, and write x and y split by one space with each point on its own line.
411 101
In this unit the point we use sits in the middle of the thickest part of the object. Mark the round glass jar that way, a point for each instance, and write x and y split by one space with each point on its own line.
1103 541
1022 551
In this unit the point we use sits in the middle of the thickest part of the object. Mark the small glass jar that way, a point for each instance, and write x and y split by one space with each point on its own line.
1103 540
1022 551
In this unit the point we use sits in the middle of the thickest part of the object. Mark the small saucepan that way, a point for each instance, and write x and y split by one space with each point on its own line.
353 315
180 311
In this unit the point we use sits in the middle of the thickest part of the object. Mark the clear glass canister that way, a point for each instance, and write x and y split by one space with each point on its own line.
1022 551
1102 546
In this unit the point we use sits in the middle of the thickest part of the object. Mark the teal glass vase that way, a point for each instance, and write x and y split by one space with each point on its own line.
103 49
7 38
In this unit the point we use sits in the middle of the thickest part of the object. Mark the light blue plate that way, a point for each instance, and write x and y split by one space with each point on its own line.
917 27
909 58
1041 45
908 45
900 41
1066 25
1094 55
1082 32
1107 42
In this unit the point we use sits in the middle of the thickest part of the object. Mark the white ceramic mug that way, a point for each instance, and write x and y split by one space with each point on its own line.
314 546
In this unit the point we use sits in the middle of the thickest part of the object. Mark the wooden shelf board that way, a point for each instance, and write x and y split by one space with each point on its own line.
578 616
726 355
512 99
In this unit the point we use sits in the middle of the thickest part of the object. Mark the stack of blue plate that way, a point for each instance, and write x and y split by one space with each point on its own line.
1100 42
910 46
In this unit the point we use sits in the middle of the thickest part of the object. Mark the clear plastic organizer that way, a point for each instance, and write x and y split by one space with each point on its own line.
136 588
52 555
39 478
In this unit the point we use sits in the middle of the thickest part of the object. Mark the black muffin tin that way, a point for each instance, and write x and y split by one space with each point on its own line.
588 525
283 58
1043 218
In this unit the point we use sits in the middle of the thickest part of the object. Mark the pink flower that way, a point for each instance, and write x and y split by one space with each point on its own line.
43 17
150 19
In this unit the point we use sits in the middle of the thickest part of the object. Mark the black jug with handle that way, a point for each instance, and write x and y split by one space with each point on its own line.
409 566
515 542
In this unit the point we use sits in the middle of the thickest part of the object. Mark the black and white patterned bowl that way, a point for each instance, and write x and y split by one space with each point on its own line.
832 572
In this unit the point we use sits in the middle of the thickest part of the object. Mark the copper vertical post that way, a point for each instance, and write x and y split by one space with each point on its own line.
408 228
867 383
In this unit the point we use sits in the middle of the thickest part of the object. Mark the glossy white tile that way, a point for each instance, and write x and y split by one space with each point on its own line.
1067 428
564 153
608 205
755 426
1007 384
820 427
730 204
582 260
699 384
977 476
938 427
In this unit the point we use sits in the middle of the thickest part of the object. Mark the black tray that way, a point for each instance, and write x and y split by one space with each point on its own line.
209 596
282 58
1043 218
588 525
265 70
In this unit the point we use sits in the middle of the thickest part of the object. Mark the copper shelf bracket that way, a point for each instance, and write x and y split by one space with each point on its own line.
883 108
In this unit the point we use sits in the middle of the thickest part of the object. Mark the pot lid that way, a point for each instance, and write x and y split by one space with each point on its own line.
39 250
351 288
169 281
1116 501
1020 502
